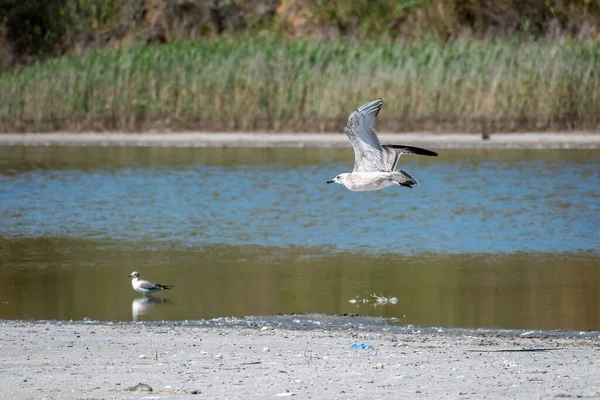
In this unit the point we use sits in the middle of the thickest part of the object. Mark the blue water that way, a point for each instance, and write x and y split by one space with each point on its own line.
475 204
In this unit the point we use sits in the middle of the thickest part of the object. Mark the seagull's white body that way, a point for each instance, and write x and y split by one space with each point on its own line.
366 181
374 163
145 287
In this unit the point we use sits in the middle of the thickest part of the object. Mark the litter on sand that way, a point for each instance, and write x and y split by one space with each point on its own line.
361 346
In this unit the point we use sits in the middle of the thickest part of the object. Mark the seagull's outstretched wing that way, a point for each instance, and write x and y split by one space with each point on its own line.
368 153
392 153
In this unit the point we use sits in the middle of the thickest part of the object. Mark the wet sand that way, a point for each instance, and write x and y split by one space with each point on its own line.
101 360
205 139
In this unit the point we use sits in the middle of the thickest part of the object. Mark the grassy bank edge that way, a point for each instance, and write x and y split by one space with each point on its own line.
299 86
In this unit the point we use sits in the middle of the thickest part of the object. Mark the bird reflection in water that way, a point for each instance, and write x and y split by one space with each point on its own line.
142 305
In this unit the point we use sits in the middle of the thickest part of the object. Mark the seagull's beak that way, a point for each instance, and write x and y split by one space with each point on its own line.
330 181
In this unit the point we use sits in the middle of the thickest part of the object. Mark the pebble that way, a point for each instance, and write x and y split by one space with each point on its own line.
140 387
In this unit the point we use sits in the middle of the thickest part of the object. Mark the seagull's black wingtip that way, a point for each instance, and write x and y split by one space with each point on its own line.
412 150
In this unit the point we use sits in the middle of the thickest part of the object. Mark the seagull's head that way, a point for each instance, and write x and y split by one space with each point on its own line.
341 179
134 275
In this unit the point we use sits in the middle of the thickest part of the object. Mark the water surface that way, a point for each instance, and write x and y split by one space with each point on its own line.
491 238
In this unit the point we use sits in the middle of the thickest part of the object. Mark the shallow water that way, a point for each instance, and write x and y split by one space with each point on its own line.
491 238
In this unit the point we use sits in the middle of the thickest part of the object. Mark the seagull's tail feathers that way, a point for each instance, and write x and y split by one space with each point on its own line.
402 178
165 287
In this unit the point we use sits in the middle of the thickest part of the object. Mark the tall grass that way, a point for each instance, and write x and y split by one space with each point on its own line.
308 86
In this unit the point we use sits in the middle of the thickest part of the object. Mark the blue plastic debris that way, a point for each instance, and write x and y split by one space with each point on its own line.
361 346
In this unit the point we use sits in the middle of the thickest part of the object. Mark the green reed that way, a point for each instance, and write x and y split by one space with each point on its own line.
310 86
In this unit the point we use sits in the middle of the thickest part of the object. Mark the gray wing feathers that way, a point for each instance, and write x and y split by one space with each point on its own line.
152 286
392 153
368 153
147 285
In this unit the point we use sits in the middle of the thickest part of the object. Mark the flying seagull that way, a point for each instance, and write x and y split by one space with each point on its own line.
374 164
144 287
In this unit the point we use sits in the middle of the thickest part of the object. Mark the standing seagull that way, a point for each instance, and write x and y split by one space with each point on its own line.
374 164
142 286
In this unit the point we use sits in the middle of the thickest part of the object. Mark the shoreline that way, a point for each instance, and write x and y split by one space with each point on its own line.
265 139
137 360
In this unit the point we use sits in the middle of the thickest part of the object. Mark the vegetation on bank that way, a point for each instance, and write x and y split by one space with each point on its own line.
301 85
303 65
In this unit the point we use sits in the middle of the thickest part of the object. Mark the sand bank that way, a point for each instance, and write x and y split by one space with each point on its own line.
198 139
101 360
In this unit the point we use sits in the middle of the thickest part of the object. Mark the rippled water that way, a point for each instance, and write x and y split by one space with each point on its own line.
491 238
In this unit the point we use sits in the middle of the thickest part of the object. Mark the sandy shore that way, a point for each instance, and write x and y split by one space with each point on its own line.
198 139
99 360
